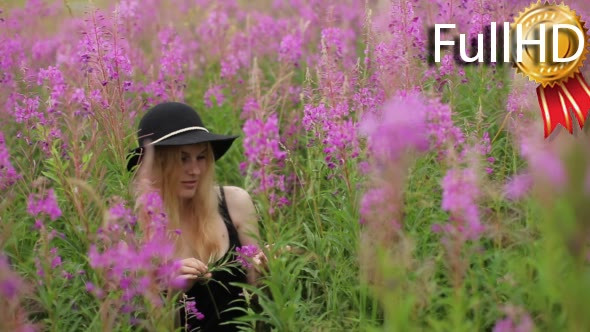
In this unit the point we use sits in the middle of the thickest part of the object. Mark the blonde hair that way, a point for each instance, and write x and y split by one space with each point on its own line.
202 207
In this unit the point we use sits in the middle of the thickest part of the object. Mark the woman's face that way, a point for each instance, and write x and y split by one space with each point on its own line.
194 165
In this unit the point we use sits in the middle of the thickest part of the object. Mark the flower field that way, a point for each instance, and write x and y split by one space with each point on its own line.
411 195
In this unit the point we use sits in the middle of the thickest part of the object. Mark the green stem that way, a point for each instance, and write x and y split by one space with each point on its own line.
501 127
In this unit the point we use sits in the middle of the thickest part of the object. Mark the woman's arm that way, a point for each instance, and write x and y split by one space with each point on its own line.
243 214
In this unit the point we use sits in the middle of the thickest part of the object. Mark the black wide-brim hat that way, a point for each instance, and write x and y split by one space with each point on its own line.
173 123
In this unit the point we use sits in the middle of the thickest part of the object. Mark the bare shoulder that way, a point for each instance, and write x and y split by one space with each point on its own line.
240 206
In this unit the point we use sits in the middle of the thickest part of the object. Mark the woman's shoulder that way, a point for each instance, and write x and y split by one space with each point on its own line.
239 205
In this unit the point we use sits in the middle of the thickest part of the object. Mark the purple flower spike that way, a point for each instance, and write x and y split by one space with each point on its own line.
8 175
191 308
518 186
44 204
290 49
246 254
460 194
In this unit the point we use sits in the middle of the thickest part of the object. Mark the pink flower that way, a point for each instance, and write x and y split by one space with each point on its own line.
379 201
229 66
55 258
131 264
368 99
393 58
399 128
518 186
405 23
265 158
250 108
10 283
542 160
246 254
517 320
98 46
175 58
485 149
262 147
460 194
28 108
44 204
216 92
290 49
447 65
262 142
441 128
334 40
8 175
191 308
55 80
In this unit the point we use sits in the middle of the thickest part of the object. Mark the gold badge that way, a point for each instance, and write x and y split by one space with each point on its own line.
552 34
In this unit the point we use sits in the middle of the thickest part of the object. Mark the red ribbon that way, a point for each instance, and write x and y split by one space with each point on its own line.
557 101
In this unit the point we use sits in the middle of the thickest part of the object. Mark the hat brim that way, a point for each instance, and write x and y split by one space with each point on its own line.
219 143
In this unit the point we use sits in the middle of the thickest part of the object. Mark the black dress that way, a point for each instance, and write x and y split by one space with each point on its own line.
213 299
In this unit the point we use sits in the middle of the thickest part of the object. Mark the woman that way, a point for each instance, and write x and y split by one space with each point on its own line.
176 157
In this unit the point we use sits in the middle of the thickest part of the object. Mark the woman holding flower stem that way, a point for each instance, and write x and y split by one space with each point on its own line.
176 156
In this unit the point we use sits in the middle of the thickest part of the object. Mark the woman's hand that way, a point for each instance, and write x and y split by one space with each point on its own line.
191 270
279 251
260 261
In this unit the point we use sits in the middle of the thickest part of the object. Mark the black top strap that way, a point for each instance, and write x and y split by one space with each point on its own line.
231 229
223 205
218 300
